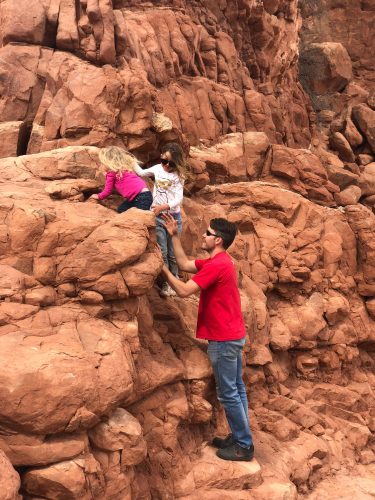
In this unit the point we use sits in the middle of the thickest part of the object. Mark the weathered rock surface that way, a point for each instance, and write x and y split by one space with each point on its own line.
10 481
325 67
182 62
349 23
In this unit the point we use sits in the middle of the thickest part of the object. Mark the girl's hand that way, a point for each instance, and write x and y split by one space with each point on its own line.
93 197
159 208
170 224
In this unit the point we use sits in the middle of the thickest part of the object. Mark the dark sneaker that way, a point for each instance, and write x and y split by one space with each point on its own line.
222 442
235 452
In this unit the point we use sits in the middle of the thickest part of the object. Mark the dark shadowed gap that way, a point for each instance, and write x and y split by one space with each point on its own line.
23 138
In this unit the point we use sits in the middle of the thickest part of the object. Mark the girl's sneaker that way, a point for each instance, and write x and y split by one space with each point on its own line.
167 291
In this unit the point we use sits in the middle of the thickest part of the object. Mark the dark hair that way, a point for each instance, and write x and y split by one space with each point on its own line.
178 157
225 229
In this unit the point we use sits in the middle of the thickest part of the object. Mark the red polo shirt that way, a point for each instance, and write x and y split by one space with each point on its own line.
219 313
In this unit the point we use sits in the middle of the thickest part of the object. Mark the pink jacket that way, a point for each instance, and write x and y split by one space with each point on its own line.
129 185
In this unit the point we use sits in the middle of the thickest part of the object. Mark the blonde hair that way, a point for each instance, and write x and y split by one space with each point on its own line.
117 159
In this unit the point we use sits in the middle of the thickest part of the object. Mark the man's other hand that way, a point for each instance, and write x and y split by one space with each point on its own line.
170 224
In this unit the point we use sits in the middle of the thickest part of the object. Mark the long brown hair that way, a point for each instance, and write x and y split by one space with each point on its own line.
178 157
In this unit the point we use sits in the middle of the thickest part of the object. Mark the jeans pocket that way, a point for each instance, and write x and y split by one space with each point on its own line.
233 348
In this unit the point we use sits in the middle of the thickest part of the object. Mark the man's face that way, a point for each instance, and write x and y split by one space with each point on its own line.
209 239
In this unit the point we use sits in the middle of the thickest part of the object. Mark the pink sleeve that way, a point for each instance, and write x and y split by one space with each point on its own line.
206 275
110 179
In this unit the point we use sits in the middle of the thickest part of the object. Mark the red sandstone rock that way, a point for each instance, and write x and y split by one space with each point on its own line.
74 311
348 196
26 450
325 67
80 478
351 133
365 120
350 26
9 137
121 432
367 180
18 27
10 481
342 146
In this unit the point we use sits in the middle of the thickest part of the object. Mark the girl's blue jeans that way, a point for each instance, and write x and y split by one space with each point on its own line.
165 242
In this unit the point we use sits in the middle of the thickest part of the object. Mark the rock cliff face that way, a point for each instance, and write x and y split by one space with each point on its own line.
106 393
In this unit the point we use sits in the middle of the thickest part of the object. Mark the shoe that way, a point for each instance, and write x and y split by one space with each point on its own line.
164 291
236 452
167 291
222 442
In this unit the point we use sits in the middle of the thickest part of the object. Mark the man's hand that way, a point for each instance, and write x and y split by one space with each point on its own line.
182 289
170 224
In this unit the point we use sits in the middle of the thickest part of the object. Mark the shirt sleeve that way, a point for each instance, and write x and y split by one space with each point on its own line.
176 196
146 172
207 274
199 263
110 179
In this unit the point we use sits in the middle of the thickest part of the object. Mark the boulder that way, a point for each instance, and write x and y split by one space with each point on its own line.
325 67
341 176
365 159
366 180
65 368
70 479
9 138
120 432
9 479
18 27
351 133
348 196
364 117
342 146
31 450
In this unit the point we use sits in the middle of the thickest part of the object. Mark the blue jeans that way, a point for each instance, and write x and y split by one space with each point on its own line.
142 201
226 360
165 242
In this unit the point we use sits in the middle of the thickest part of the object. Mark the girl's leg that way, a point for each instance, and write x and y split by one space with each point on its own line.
125 205
172 264
162 239
143 201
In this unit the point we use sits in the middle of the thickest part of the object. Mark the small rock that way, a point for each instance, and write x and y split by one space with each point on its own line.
351 133
367 457
365 159
342 146
364 118
349 196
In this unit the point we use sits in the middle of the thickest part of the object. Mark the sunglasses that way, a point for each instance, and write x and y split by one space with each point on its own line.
208 233
171 163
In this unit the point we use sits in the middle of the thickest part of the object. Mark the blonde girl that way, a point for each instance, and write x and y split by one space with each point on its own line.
120 166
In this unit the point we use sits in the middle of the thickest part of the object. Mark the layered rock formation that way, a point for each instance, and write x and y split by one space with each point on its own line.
106 392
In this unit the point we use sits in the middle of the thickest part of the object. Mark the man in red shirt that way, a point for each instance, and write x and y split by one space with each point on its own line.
220 322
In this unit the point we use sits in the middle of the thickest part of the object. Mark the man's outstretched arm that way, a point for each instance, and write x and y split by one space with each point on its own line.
183 263
181 288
